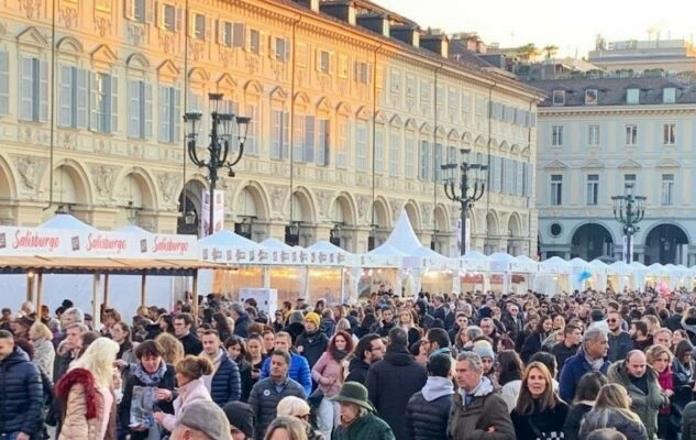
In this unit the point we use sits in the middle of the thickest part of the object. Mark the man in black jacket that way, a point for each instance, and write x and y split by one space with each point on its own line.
393 380
21 393
572 337
312 342
225 384
428 410
182 330
370 349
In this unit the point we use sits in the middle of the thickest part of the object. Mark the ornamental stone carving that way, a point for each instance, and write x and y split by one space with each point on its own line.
168 184
278 194
31 8
363 203
103 177
30 170
323 200
396 205
426 213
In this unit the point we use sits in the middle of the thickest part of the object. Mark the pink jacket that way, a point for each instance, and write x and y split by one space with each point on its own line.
191 392
328 369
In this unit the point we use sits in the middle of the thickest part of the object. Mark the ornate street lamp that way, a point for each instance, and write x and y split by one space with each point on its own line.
219 146
292 234
471 187
629 210
335 234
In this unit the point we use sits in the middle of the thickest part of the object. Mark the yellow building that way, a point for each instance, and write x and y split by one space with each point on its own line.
353 110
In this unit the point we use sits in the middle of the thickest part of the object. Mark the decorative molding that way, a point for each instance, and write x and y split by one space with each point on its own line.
323 201
103 177
278 195
555 165
169 185
30 169
31 8
32 37
104 54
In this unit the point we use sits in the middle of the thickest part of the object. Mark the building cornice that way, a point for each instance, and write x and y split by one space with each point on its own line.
646 110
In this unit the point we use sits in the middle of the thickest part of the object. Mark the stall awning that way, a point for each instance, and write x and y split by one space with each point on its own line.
63 265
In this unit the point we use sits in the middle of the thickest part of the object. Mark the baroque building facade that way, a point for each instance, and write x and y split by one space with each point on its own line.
353 111
603 137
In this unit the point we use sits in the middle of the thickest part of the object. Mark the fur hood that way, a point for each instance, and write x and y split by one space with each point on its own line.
82 377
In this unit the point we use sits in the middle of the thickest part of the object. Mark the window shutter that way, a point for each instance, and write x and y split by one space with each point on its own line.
220 32
4 83
82 98
239 35
114 104
93 110
309 139
176 117
43 91
317 59
25 103
148 111
128 9
133 109
286 135
164 101
66 95
179 14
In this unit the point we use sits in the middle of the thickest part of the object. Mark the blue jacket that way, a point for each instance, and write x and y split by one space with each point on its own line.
226 385
264 398
299 372
21 399
573 369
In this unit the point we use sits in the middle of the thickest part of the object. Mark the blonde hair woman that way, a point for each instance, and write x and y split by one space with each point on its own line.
44 353
286 428
539 412
87 394
173 348
612 410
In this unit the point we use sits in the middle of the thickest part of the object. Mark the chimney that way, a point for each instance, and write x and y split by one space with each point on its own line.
309 4
342 9
409 34
435 41
375 22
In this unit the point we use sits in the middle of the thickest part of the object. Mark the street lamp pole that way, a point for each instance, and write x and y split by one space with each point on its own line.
219 146
471 189
629 210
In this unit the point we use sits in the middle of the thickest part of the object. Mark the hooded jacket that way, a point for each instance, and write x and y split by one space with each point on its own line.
485 410
428 410
21 400
390 384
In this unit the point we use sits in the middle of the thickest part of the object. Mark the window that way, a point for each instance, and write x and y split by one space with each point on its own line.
361 145
324 61
323 142
591 97
136 11
309 129
232 34
169 114
169 18
298 127
34 90
631 134
593 135
73 97
669 134
254 41
667 189
4 83
139 109
410 156
592 189
199 26
395 152
343 66
559 97
424 171
279 140
437 161
342 142
556 189
362 72
629 182
633 96
251 144
669 95
104 103
379 149
557 135
282 50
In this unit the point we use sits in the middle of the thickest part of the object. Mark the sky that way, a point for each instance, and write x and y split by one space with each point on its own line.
573 26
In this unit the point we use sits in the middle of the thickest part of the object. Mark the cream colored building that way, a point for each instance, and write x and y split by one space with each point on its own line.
106 142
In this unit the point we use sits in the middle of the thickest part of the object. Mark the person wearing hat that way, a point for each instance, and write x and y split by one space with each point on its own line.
241 418
201 420
487 355
358 420
312 342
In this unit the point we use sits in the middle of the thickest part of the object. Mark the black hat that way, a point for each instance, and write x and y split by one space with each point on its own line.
241 416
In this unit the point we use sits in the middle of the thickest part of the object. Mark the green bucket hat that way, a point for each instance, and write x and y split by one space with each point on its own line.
353 392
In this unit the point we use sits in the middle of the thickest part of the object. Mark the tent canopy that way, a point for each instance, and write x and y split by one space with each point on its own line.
66 222
228 239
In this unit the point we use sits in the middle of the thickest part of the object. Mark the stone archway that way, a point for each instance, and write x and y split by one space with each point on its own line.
666 244
343 217
137 200
190 206
251 212
491 242
513 235
591 241
7 196
71 191
304 214
443 232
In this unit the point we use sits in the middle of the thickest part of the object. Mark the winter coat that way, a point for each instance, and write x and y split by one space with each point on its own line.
21 399
619 346
299 372
357 371
612 418
683 376
428 410
645 405
674 322
666 381
328 369
84 407
312 346
573 421
194 391
531 346
264 398
689 422
245 376
226 385
510 392
562 352
367 427
486 409
689 324
575 367
540 424
44 355
241 325
390 383
191 344
327 326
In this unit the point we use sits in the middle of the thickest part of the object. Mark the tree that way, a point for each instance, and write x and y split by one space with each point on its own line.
550 51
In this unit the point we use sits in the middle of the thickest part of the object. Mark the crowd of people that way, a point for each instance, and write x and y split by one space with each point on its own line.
587 366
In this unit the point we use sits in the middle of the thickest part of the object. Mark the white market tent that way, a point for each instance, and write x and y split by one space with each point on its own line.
474 271
508 266
581 269
553 276
336 284
621 275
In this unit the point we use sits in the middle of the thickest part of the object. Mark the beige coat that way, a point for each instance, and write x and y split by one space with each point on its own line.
77 427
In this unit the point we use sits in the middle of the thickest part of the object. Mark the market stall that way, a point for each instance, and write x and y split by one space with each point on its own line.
586 275
621 276
474 270
331 275
553 277
510 275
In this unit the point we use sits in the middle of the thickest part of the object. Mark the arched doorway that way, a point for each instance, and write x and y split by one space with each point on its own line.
489 246
303 219
137 201
513 235
666 244
440 242
414 216
70 193
6 197
343 218
190 203
251 214
591 241
381 225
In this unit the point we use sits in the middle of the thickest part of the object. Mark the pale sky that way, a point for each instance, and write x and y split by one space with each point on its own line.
570 25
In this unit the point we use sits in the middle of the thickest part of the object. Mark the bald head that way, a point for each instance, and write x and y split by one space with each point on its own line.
636 363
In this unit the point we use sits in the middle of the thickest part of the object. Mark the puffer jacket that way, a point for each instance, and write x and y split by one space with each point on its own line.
689 422
486 409
612 418
44 355
645 405
312 346
574 419
21 399
330 370
84 407
358 369
226 385
427 412
367 427
264 398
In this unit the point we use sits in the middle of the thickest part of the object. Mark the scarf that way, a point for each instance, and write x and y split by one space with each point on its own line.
339 355
595 364
149 379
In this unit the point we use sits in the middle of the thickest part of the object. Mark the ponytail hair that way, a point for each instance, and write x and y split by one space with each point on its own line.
194 367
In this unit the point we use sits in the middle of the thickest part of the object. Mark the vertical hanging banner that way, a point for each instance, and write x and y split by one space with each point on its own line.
458 237
218 212
626 252
467 242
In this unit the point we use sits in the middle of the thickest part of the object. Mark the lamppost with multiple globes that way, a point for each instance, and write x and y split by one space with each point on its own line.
219 147
469 189
629 210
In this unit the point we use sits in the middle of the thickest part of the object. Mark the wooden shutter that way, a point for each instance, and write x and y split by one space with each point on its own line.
82 98
4 83
176 117
148 111
65 94
114 104
93 110
26 89
133 109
